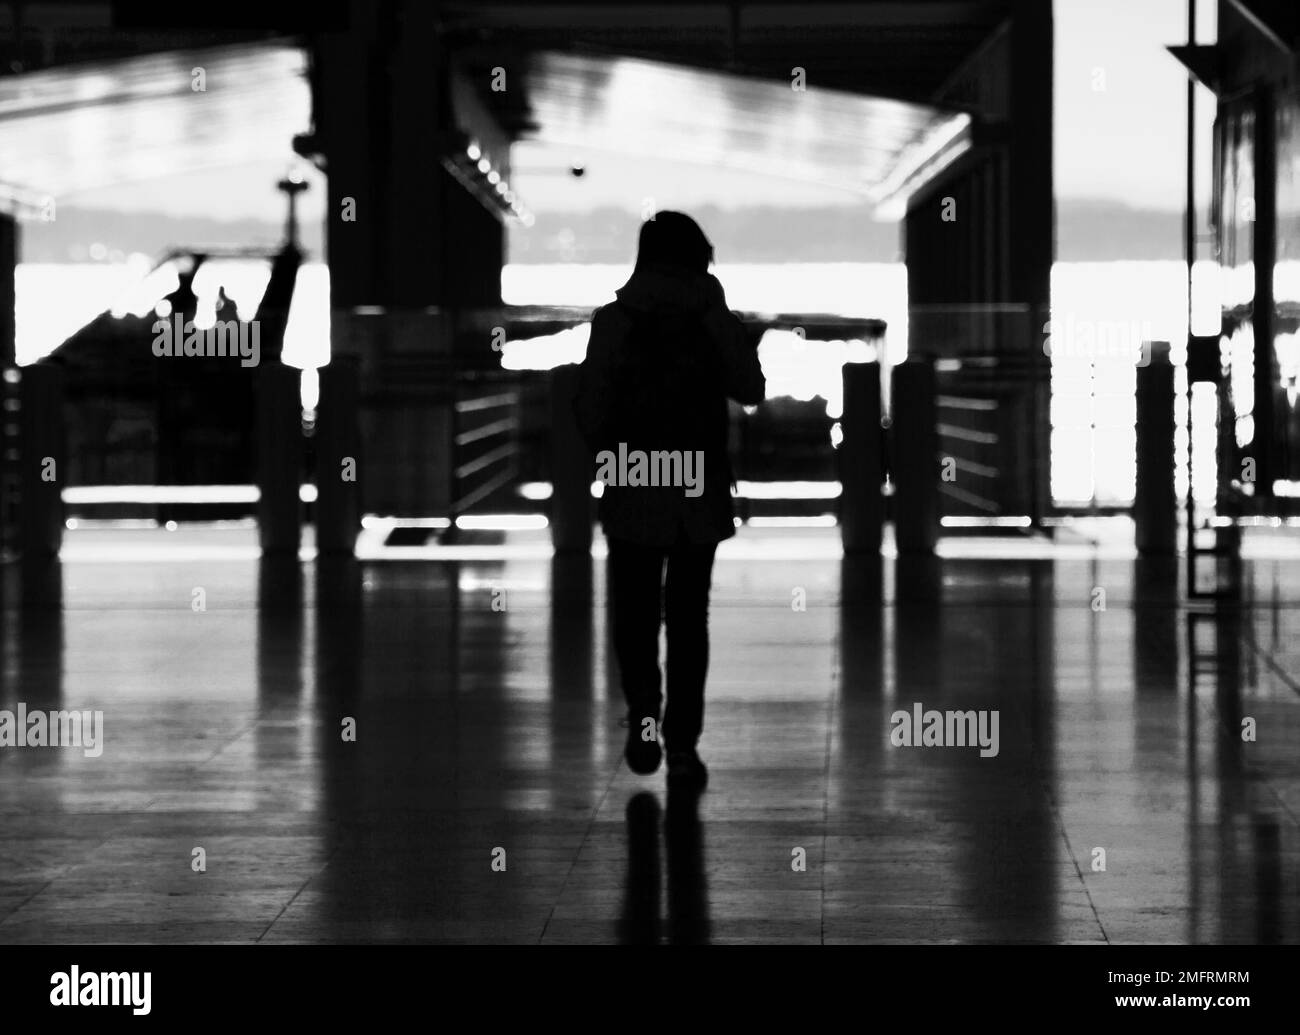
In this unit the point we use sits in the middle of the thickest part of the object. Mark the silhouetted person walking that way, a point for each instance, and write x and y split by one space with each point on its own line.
652 404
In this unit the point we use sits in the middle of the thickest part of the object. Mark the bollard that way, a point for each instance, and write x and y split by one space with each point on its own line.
860 461
44 464
279 457
338 460
1155 508
916 443
572 508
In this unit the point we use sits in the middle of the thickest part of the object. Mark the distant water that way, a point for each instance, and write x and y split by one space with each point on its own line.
1113 304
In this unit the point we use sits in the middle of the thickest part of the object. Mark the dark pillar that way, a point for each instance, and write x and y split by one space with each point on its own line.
411 252
915 466
338 457
8 265
43 461
1030 246
861 505
572 512
279 458
983 234
1031 206
1268 434
8 422
1155 513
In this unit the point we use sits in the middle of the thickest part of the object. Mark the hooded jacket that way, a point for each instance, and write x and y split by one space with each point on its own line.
673 323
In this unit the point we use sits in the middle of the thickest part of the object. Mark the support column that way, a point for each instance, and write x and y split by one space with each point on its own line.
1268 434
1155 510
572 510
43 460
412 254
982 235
338 458
861 467
9 240
915 467
9 444
1031 206
279 458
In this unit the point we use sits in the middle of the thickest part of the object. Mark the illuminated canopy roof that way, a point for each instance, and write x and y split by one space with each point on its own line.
865 144
90 125
96 124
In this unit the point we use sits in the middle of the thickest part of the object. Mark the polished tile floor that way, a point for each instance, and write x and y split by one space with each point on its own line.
484 799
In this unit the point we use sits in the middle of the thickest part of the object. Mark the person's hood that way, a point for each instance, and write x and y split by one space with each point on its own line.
660 289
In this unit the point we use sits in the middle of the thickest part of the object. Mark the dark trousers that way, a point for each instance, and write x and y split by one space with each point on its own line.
642 594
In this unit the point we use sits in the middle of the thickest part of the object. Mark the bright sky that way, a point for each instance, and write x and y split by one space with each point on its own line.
1121 100
1120 104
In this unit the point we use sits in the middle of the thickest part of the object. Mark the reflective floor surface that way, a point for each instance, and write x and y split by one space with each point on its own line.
1146 785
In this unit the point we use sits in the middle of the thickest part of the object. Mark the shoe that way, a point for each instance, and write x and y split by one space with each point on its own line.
643 756
685 770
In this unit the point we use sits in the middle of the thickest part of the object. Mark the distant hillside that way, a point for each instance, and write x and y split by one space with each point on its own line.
1086 231
1101 231
760 234
69 237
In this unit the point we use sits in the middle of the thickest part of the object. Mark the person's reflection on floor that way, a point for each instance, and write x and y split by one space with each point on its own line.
688 901
688 898
639 924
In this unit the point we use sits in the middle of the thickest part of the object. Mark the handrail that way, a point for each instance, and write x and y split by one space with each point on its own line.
485 440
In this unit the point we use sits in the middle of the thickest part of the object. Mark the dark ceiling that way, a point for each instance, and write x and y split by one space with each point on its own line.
899 50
